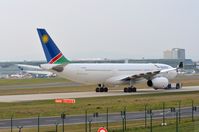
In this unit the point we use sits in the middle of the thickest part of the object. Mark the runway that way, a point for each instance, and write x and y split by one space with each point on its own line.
51 96
80 119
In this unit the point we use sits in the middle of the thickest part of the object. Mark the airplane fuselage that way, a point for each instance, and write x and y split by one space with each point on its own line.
109 73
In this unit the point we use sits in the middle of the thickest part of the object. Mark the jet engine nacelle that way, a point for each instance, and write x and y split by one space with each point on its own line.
158 83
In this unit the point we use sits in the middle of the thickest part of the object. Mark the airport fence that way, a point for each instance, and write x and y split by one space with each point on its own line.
167 119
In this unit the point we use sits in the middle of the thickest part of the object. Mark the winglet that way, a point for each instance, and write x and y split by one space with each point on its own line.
181 65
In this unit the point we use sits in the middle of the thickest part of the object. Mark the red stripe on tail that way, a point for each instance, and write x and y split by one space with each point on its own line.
55 58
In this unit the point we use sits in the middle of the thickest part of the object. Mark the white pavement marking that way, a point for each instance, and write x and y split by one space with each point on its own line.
33 97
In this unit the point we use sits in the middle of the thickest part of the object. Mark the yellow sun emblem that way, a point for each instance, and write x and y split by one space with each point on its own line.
45 38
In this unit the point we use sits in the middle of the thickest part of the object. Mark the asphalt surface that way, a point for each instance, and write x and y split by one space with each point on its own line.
33 97
80 119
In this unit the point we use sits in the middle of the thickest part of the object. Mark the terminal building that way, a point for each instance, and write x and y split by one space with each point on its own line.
175 53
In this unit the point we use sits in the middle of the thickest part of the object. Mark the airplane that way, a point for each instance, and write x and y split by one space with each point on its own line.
35 70
156 76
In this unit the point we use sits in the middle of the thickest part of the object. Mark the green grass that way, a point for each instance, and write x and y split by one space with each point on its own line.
22 91
8 82
25 82
99 104
132 126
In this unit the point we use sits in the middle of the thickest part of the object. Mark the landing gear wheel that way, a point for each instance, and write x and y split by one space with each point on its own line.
125 90
97 90
101 89
134 89
105 89
130 89
169 86
177 86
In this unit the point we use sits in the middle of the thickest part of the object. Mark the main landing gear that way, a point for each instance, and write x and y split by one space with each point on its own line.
101 88
174 86
130 89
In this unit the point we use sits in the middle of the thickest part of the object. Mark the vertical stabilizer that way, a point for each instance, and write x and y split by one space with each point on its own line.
52 52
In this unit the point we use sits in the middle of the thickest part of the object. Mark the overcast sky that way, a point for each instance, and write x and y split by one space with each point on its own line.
99 28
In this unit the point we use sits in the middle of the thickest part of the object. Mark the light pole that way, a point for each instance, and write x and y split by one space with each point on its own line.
177 121
151 119
38 121
20 128
90 121
56 126
123 123
145 115
173 110
11 122
123 116
163 115
151 116
179 110
107 118
86 120
194 109
63 117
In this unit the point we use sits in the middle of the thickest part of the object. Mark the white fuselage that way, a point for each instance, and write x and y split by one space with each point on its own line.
108 73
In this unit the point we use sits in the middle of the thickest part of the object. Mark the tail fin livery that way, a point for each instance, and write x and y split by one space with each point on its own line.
52 52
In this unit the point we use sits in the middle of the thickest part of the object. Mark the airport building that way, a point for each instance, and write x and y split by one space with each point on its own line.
175 53
197 67
168 54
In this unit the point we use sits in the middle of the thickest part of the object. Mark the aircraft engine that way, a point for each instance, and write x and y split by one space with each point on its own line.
158 83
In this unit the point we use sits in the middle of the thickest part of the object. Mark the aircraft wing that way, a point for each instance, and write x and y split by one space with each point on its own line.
21 66
180 66
40 72
145 75
149 75
135 78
